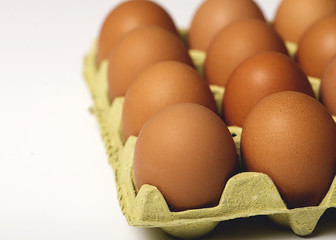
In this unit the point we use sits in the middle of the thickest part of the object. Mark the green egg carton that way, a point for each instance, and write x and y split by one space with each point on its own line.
246 194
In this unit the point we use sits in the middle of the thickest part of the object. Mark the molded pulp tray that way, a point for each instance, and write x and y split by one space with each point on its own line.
245 194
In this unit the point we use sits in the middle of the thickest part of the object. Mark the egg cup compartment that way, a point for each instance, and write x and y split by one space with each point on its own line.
246 194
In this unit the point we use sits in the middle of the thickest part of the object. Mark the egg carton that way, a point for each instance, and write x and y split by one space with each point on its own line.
246 194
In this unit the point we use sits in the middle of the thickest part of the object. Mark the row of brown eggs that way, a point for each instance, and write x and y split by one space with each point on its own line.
184 148
228 48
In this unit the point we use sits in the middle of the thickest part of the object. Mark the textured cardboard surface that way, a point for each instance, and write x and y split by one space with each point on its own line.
245 194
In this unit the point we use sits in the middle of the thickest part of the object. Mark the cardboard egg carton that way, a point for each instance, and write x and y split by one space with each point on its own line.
246 194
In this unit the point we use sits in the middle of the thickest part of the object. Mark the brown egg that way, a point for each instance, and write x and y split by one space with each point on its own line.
187 152
213 15
328 86
161 85
236 42
127 16
138 50
294 17
291 137
317 46
257 77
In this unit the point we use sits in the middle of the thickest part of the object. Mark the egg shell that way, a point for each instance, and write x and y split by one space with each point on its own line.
295 146
236 42
159 86
213 15
317 46
138 50
257 77
187 152
127 16
328 86
147 208
294 17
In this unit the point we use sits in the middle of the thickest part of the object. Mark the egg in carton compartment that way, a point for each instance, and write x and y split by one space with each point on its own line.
245 194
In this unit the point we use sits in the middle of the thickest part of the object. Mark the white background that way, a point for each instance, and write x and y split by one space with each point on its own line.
55 182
